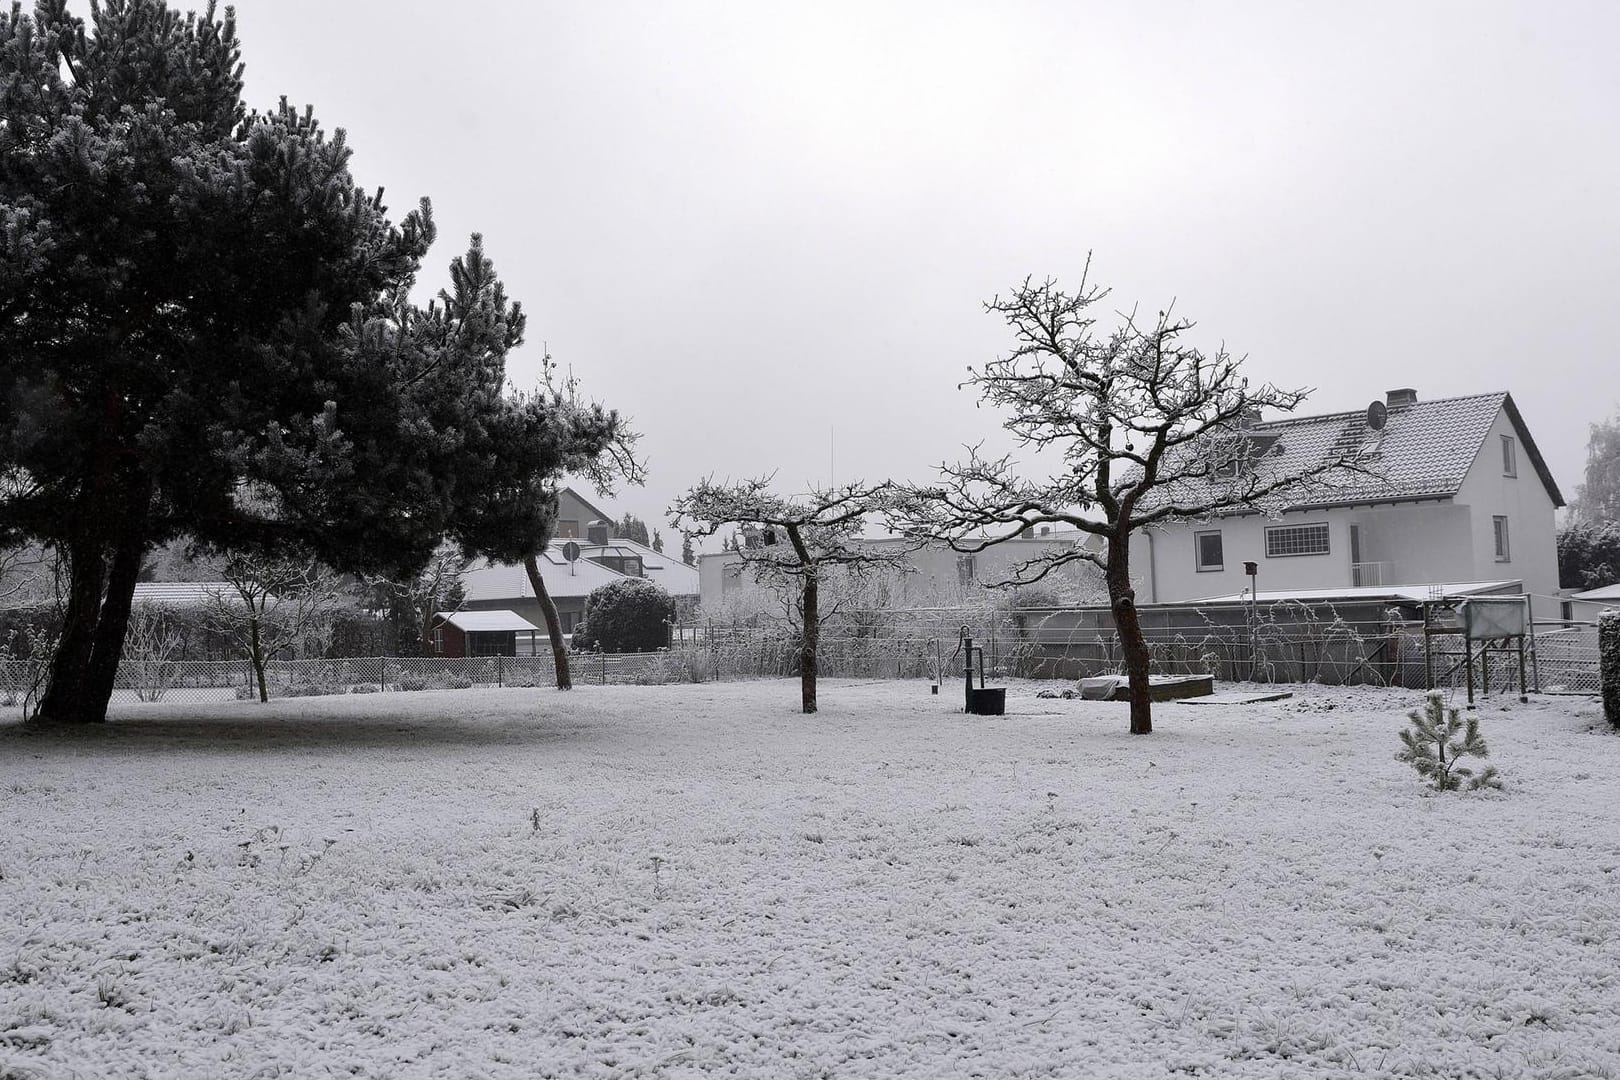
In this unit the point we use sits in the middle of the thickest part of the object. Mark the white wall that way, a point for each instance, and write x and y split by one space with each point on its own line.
937 578
1524 500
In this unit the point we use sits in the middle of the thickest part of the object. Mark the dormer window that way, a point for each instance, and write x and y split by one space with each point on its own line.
1510 459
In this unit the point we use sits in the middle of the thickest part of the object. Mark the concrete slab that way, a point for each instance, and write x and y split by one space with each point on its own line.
1238 697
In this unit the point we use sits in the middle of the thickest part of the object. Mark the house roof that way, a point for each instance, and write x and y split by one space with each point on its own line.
596 511
1424 450
180 594
676 577
474 622
485 580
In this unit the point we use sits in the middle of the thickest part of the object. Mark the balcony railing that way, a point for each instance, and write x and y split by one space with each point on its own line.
1372 573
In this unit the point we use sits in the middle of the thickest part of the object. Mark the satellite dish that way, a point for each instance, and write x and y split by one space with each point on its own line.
571 551
1377 415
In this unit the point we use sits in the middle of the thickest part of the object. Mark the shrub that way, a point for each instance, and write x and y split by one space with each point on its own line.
582 640
365 688
633 615
1437 738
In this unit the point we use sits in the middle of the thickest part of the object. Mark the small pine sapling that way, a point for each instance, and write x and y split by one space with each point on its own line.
1437 739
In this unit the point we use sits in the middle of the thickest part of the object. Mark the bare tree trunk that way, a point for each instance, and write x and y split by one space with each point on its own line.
256 655
559 651
64 700
809 640
101 674
1122 599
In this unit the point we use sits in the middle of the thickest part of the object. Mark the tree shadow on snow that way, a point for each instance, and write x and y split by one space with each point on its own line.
284 726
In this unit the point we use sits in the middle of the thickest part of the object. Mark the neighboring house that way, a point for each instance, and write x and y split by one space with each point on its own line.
1587 606
485 633
601 559
940 576
1458 493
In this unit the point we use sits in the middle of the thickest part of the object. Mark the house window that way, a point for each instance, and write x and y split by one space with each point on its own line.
1510 460
965 569
568 529
1499 525
1285 541
438 641
1207 547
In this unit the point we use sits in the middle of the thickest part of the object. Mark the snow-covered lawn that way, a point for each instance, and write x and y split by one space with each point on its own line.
697 880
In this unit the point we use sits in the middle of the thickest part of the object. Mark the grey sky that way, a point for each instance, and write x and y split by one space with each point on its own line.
750 225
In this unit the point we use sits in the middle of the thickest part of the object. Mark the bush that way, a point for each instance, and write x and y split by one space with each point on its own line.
633 615
582 640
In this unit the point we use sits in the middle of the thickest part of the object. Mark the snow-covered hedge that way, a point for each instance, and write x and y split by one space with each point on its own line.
1609 664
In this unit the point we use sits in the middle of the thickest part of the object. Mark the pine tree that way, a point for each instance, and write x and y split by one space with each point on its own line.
688 555
1437 739
658 542
205 331
631 528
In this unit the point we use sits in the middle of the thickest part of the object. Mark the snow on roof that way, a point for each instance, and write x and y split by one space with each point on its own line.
1606 592
180 593
1408 593
676 577
1423 452
475 622
509 581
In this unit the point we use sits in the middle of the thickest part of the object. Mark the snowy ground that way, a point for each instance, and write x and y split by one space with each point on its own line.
691 881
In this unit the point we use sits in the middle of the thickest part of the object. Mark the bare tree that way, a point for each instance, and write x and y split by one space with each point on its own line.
269 605
436 588
795 540
1149 431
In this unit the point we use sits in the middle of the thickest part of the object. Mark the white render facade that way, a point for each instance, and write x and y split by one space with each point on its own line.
1469 500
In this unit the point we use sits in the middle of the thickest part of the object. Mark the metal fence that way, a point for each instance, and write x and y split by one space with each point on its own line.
1566 660
1283 642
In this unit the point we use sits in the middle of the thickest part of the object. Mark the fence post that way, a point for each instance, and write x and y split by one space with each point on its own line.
500 671
1608 625
604 668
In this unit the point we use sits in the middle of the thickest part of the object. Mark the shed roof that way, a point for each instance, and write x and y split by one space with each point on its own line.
1406 593
180 594
475 622
1606 592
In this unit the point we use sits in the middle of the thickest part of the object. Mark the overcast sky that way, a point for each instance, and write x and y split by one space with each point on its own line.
766 230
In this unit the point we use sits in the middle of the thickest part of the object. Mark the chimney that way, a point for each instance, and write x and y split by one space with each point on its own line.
1404 396
598 532
1250 417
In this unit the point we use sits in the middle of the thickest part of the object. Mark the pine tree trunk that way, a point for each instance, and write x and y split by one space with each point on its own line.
809 640
1122 599
559 651
63 701
101 675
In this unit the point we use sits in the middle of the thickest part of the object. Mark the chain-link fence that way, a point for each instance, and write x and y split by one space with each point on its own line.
1566 660
1282 642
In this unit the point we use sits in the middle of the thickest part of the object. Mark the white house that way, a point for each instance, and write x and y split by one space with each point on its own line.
1461 494
599 559
939 575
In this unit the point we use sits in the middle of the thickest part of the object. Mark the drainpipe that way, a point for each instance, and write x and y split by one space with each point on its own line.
1153 569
